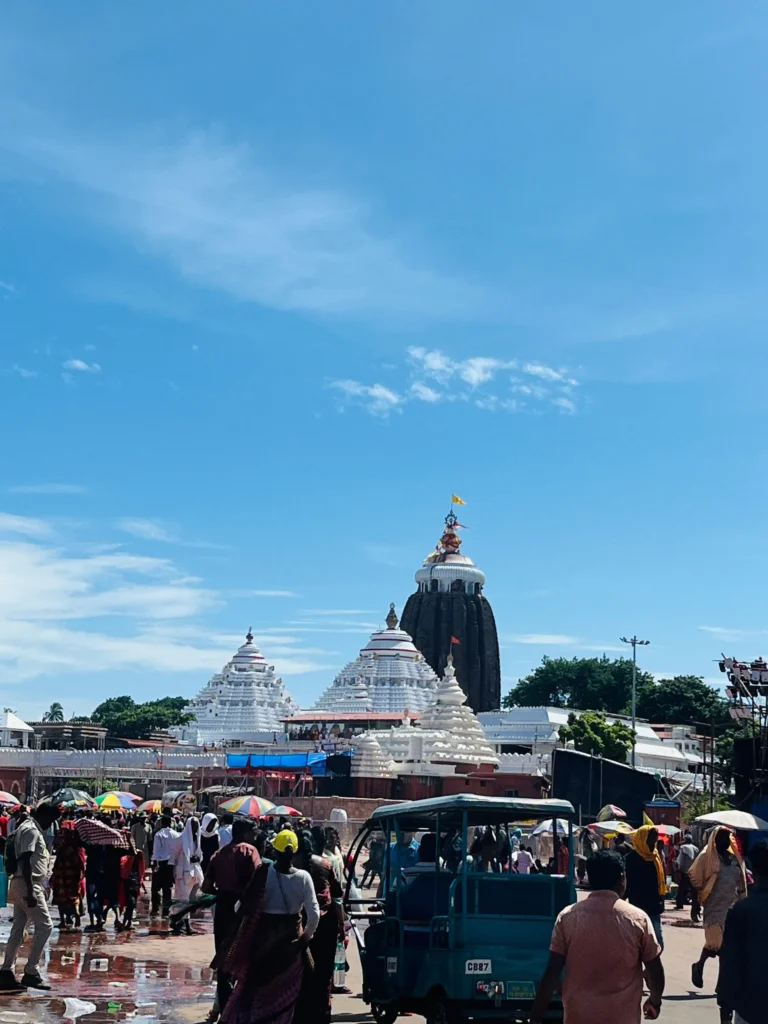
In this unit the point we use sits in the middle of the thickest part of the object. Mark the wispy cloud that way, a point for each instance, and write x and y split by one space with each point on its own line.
374 398
544 639
262 593
80 366
222 217
23 525
485 381
6 286
23 371
146 529
48 489
731 635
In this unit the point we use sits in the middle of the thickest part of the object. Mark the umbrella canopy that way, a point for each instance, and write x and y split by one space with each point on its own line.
607 828
150 807
734 819
668 830
117 801
283 811
8 799
547 827
68 797
250 806
610 813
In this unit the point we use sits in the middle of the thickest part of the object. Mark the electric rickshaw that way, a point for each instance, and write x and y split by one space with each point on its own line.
447 939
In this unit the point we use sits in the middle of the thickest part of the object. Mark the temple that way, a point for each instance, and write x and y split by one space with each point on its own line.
448 613
389 676
245 702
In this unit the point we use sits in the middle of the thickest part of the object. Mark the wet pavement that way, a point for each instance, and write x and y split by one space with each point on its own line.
148 976
145 976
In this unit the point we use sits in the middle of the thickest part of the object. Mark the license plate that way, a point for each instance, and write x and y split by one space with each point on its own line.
521 990
478 967
391 965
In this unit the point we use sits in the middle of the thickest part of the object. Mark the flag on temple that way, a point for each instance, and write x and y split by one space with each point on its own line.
456 500
454 640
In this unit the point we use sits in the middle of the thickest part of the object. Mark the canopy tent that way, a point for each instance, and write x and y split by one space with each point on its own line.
314 763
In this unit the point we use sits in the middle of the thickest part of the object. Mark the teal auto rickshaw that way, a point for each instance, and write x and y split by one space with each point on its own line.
461 936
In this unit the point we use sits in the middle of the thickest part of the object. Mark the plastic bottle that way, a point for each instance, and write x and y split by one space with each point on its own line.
339 967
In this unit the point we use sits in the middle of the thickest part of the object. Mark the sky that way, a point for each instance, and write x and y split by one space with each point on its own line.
278 279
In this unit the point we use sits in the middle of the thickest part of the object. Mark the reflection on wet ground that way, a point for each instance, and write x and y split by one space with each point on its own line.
93 981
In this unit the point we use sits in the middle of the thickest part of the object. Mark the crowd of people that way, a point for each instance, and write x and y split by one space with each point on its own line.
276 889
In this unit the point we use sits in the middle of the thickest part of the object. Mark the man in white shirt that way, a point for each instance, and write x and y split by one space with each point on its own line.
524 860
28 896
163 854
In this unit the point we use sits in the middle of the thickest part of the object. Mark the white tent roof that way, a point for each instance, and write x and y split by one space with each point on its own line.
10 721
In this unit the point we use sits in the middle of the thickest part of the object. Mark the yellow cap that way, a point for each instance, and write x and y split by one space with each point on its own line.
286 840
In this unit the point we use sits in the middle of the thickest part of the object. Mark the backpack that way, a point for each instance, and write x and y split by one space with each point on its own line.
10 859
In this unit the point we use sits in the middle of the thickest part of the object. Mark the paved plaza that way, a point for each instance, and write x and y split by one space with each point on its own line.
149 977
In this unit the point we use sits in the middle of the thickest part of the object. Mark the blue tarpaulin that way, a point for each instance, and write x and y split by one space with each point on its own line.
314 763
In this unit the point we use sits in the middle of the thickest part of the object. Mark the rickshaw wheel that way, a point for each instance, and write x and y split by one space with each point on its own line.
439 1011
383 1014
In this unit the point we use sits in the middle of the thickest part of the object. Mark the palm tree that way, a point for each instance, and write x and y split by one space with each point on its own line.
55 713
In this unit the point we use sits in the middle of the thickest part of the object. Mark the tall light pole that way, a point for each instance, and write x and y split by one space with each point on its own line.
634 642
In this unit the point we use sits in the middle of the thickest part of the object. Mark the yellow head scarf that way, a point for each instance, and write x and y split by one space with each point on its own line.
703 871
640 843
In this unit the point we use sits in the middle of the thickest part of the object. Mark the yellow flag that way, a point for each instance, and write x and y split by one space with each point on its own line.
647 820
457 500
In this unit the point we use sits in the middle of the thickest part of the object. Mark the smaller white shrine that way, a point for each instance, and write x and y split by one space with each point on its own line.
369 760
389 676
448 735
244 702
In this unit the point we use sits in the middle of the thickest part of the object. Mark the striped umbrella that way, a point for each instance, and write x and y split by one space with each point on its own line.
250 806
117 801
69 797
283 811
150 807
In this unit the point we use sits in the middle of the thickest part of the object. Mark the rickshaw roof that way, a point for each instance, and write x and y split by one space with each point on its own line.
484 810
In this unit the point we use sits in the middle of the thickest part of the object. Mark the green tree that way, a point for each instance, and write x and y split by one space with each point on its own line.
586 684
80 720
93 786
681 700
55 713
124 717
591 733
694 804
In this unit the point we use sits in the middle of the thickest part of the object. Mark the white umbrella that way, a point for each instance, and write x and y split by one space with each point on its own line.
545 828
606 828
734 819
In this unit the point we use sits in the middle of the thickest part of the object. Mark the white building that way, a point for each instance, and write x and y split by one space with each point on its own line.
14 732
389 676
245 702
535 731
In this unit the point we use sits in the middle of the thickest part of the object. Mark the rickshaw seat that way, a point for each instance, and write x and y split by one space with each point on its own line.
515 895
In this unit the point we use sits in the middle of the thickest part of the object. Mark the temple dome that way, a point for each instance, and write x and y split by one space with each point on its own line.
390 670
245 702
369 760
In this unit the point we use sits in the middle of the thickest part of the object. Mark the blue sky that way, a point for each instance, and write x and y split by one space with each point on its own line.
276 279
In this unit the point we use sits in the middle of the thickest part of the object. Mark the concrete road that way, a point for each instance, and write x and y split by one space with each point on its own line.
682 1003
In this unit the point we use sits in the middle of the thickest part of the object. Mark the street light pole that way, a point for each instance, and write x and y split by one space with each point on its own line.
634 642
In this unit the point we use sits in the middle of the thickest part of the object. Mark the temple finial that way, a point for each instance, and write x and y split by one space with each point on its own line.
249 635
392 619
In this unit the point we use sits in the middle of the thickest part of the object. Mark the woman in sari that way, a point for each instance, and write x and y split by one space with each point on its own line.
646 877
68 876
718 877
132 870
268 955
315 1003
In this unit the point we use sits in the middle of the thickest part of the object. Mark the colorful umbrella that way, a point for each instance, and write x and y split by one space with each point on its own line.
283 811
150 807
117 801
608 828
250 806
68 797
610 813
8 798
